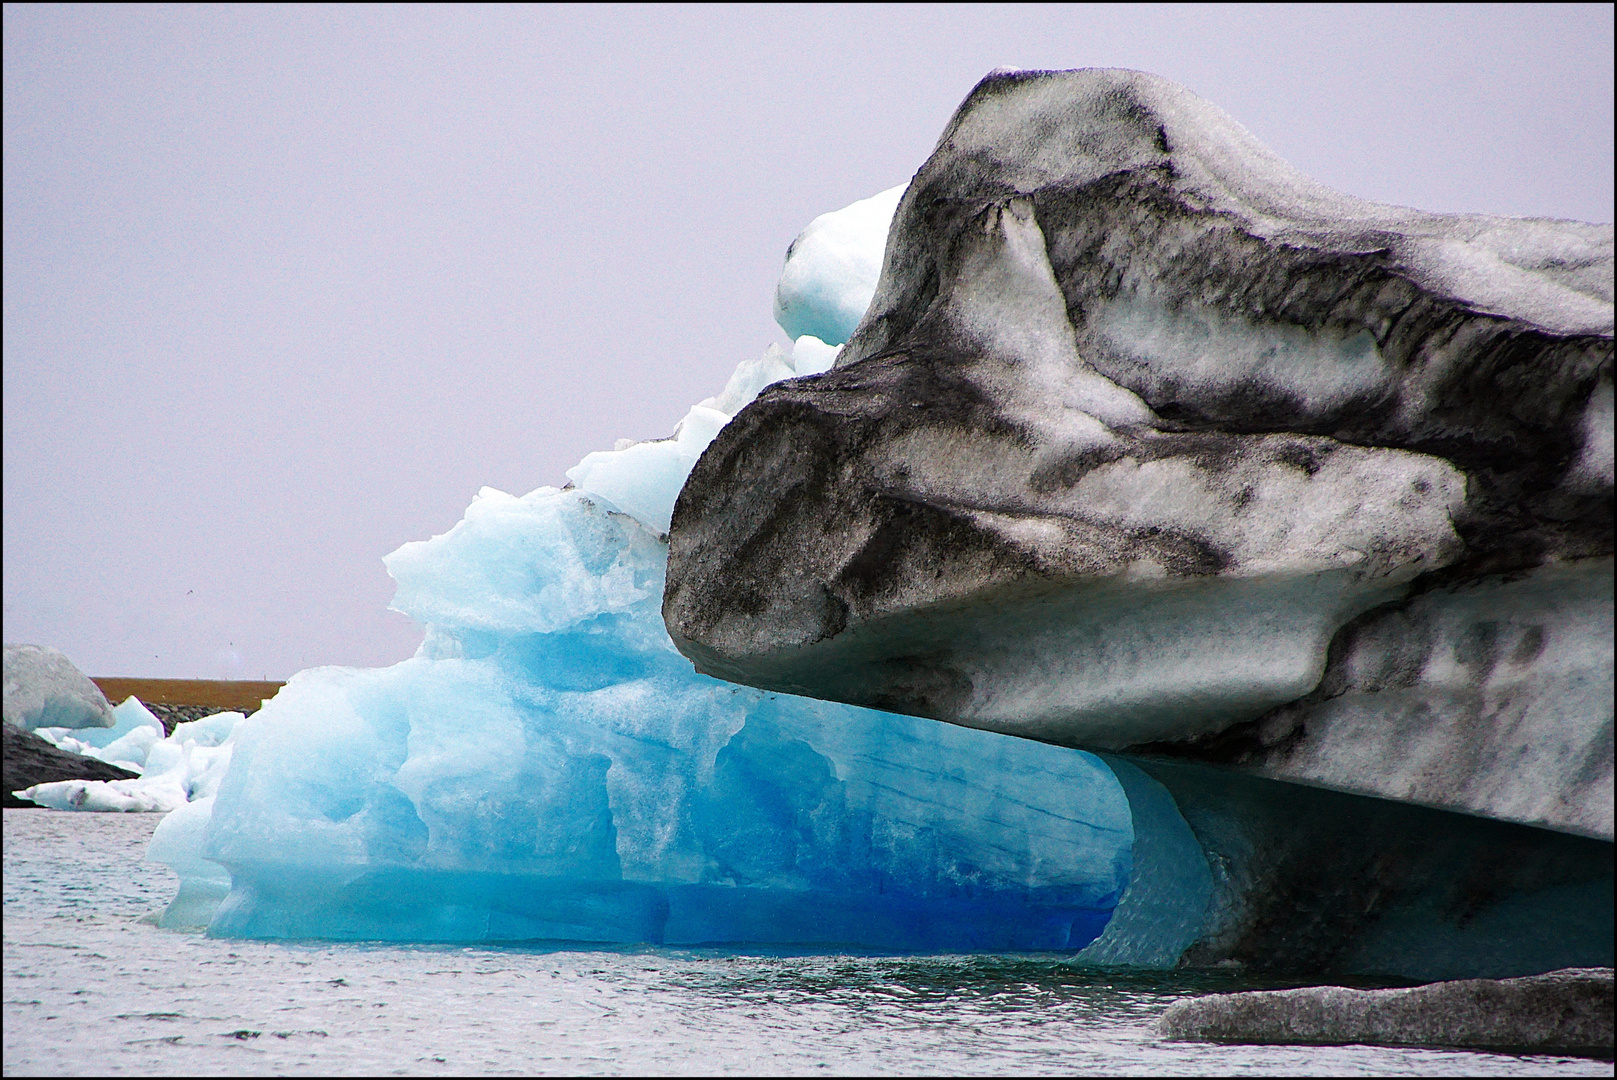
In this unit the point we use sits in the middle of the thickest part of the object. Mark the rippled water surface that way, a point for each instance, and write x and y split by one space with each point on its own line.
90 989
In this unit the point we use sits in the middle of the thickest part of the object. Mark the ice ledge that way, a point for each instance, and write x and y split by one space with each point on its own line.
1140 427
1491 698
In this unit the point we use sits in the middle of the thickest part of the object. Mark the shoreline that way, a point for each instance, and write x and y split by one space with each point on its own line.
179 701
220 694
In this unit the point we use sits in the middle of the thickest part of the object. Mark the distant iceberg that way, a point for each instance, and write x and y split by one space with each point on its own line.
548 766
174 769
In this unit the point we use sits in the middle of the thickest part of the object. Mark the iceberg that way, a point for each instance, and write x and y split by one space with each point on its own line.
1148 443
173 769
44 689
549 767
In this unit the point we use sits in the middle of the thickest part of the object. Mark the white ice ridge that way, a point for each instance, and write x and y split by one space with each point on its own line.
174 769
548 766
825 287
832 268
642 479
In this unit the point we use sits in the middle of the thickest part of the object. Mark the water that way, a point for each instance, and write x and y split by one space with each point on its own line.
90 989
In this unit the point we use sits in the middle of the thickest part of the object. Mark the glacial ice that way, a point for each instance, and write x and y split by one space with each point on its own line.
548 766
1146 442
1138 427
1201 576
174 770
832 267
642 479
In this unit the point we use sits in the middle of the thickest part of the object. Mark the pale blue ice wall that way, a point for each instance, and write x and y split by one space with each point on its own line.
550 767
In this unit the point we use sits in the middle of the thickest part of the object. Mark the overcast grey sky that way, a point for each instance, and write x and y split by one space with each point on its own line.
285 286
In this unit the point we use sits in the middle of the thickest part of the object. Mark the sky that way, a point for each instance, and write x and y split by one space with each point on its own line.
285 286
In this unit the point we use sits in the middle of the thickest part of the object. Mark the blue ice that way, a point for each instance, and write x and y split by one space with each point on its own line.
549 767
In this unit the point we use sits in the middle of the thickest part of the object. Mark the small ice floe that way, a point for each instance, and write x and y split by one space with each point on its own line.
174 769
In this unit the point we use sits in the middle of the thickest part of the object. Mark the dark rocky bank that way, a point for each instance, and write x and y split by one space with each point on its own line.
30 760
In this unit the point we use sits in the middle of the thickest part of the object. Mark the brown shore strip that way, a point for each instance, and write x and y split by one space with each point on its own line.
206 693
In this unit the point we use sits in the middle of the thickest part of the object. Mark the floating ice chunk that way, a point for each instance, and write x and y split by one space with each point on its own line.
135 731
832 267
128 716
132 750
186 765
559 771
44 689
128 796
549 767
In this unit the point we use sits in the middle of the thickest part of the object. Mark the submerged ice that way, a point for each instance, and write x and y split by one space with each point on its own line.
548 766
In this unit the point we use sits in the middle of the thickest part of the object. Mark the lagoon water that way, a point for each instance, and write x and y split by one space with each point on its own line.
90 989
